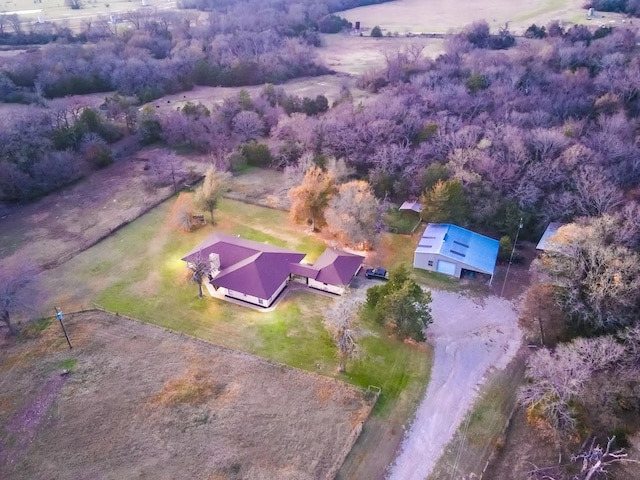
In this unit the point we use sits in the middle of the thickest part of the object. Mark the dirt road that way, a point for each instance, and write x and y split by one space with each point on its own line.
470 336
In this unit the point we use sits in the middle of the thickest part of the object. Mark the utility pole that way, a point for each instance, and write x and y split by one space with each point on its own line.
513 249
173 177
541 330
59 315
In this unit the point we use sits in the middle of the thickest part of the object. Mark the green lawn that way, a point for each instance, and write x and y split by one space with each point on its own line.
138 272
404 222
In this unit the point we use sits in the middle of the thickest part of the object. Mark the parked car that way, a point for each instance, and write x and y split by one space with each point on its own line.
377 272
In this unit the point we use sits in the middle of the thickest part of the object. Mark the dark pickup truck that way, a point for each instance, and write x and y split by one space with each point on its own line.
377 272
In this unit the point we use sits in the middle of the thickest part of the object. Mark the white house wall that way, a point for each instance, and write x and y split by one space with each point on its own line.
326 287
277 292
261 302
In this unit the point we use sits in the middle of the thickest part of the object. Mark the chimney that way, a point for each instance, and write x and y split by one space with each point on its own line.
214 262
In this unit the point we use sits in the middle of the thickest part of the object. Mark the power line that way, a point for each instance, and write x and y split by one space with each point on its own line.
513 249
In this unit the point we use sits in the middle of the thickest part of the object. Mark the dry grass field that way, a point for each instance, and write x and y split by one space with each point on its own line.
142 402
327 85
56 10
354 55
442 16
55 228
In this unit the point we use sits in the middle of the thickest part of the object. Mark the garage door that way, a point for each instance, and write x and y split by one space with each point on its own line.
446 267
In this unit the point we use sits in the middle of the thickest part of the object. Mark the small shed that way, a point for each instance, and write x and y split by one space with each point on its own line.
452 250
546 243
412 206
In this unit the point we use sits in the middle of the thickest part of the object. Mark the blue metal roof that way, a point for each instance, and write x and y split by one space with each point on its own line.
476 251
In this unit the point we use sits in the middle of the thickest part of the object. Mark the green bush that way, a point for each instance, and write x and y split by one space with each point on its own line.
506 246
256 154
401 305
98 156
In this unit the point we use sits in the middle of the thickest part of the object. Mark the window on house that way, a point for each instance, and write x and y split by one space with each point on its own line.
260 301
430 263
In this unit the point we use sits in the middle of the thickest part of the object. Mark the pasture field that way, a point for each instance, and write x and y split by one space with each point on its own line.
327 85
355 55
56 10
142 402
443 16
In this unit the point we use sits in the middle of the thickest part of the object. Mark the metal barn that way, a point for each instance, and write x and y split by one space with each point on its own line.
454 250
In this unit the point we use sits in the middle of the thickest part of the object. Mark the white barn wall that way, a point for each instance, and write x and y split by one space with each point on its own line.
421 260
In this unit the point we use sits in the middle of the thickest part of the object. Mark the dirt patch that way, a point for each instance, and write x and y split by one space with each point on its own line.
512 285
144 402
267 188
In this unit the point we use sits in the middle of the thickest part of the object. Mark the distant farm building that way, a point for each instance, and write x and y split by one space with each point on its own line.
455 251
257 273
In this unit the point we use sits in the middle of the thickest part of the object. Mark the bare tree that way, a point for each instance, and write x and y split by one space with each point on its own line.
309 199
596 194
339 322
207 196
294 173
17 293
200 268
594 463
557 380
165 169
339 169
600 280
3 22
16 23
352 214
248 125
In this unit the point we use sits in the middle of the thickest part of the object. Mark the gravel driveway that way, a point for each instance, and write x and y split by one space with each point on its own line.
469 338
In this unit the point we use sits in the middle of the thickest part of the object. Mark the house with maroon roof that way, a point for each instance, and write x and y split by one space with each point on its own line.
332 272
257 272
250 271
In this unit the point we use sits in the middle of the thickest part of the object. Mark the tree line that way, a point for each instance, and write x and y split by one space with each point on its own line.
547 132
149 53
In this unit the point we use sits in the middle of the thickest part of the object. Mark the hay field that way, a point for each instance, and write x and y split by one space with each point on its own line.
142 402
57 11
442 16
